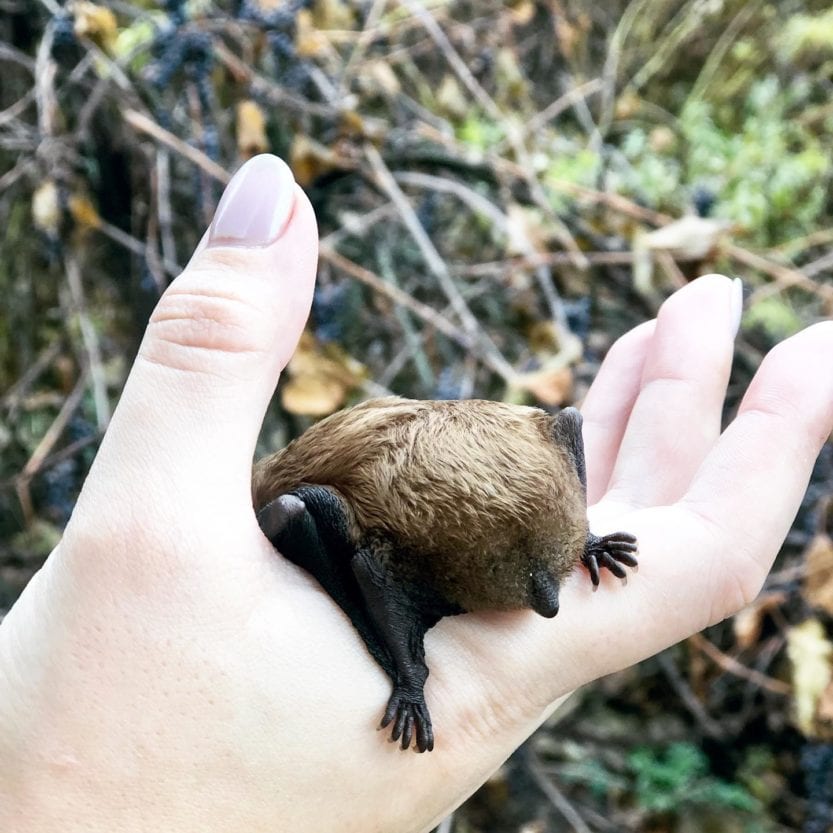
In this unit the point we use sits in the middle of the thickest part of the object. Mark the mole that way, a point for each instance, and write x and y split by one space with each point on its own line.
406 511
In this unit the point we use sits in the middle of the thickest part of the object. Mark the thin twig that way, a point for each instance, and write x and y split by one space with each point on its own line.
13 55
45 445
145 124
435 263
555 796
364 40
416 353
12 398
428 314
23 166
45 69
478 203
453 57
133 244
707 723
477 270
816 267
475 201
261 86
784 276
14 110
738 669
163 204
89 338
562 103
66 453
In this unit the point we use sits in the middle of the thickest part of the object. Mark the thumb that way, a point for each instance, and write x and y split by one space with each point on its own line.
184 432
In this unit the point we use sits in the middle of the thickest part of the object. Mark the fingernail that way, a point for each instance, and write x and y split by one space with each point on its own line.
736 305
256 204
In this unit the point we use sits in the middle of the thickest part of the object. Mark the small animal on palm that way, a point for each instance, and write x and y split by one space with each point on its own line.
408 511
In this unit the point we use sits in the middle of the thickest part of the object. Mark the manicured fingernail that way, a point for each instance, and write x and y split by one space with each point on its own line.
737 305
256 204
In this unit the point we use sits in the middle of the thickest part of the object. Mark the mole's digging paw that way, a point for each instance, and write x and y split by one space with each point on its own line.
410 719
610 551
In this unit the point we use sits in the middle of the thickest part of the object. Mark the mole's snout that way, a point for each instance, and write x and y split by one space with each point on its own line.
544 595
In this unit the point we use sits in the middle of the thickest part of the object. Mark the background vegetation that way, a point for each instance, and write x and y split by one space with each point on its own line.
502 190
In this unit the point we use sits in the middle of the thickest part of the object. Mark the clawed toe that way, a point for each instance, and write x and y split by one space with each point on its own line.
410 719
611 552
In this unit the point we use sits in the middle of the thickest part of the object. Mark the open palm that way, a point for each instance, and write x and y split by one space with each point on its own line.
166 670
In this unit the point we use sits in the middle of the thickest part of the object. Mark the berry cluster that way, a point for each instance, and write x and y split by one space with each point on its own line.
817 763
279 25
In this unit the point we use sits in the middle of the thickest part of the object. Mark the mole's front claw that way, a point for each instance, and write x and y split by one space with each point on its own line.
610 551
410 719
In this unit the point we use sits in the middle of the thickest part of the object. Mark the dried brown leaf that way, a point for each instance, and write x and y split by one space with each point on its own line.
526 230
251 129
310 159
818 579
811 655
83 212
450 98
379 74
321 377
522 12
310 42
46 207
550 386
748 623
689 238
333 14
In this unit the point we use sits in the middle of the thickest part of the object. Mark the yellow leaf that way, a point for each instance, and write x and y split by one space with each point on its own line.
333 14
450 97
95 22
251 129
522 12
133 42
526 230
83 212
309 41
628 105
510 77
810 654
567 34
379 74
321 377
551 382
310 159
268 6
46 207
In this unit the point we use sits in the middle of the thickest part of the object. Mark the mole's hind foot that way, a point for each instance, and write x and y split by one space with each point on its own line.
610 551
409 715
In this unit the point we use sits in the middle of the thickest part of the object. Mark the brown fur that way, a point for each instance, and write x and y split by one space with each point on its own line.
475 495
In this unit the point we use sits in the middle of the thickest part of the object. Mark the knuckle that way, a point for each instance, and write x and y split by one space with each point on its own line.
193 328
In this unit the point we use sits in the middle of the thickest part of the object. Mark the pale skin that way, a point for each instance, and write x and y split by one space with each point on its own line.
166 670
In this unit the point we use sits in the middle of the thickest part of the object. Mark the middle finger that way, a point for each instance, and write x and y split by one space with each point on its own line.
676 417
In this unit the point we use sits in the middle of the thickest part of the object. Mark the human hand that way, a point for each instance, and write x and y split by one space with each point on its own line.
167 670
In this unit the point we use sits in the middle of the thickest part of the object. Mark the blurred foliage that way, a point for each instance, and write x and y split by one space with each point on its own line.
678 778
571 164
